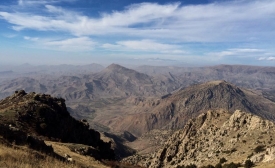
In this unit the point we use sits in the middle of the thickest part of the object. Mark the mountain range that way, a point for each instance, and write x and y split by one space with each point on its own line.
168 116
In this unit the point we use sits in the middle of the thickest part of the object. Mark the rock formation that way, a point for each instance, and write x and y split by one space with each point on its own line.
212 136
46 117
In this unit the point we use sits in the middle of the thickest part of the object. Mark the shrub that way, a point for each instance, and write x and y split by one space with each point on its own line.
222 160
43 125
248 164
231 165
259 148
191 166
249 156
219 165
180 166
36 97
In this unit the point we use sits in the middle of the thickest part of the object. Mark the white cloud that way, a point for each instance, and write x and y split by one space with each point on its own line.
262 58
144 45
266 59
31 38
216 22
70 44
74 44
39 2
10 35
244 52
271 59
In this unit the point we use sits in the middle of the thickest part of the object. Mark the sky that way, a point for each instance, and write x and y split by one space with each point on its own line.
157 32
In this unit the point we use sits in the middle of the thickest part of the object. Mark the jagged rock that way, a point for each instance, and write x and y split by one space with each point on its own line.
214 135
44 116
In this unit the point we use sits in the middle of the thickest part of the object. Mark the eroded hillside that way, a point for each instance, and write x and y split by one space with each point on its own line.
215 135
173 111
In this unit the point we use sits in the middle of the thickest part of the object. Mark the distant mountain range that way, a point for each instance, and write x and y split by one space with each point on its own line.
107 91
114 81
93 81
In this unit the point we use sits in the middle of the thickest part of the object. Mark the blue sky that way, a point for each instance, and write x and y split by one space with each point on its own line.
137 32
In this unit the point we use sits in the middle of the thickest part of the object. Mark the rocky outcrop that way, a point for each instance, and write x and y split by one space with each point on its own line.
47 117
212 136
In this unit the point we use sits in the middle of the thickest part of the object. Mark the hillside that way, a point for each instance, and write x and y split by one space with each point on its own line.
40 116
173 111
212 136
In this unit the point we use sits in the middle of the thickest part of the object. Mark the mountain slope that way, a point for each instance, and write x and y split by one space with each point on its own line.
173 111
46 117
215 135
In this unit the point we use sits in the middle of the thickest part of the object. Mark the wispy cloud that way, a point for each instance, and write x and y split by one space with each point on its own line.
144 45
70 44
40 2
230 21
10 35
242 29
31 38
266 59
244 52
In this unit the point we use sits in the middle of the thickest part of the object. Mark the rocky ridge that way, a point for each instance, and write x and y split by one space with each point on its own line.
44 117
174 110
215 135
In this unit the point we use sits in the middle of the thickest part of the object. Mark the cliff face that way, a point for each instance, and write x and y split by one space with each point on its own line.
43 116
214 135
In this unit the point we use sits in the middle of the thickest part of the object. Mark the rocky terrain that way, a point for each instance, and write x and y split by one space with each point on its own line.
32 118
215 135
138 111
174 110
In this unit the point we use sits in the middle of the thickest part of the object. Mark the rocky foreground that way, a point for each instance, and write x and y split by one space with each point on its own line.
214 136
29 119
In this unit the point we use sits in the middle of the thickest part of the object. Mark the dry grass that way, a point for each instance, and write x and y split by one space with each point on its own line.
17 158
84 161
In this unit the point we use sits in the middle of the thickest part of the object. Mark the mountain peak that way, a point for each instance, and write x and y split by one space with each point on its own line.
115 67
217 82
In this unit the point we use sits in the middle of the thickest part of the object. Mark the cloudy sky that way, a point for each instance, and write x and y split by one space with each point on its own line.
145 32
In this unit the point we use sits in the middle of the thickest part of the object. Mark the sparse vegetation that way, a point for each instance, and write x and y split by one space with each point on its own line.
222 160
259 148
10 157
191 166
219 165
248 164
249 156
231 165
